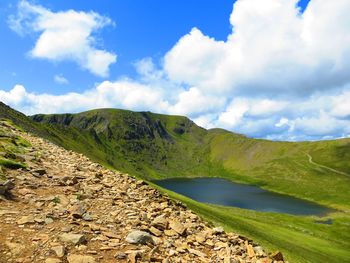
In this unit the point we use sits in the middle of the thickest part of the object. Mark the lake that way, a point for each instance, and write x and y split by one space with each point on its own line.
224 192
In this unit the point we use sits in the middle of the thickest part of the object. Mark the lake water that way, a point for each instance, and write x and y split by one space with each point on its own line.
223 192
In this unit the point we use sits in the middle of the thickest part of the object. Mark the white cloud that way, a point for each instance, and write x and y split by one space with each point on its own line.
280 74
193 102
65 35
306 119
273 49
60 79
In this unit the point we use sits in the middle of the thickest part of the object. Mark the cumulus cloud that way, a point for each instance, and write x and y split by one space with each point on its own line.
60 79
273 49
308 119
281 74
65 35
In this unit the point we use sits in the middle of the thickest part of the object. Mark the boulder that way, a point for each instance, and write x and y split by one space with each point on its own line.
139 237
74 239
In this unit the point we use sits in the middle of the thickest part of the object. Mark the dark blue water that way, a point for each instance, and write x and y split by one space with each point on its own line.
223 192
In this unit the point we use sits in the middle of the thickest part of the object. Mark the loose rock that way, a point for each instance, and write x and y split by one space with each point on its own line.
139 237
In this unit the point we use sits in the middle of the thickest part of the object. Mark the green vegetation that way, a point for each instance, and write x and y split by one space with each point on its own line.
11 147
11 164
154 146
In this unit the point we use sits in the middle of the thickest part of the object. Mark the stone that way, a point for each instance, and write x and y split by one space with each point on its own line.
160 222
259 251
80 259
197 252
264 260
133 255
218 230
26 220
201 237
277 256
111 234
74 239
39 220
170 233
40 171
59 251
155 231
87 217
139 237
52 260
177 227
15 248
250 250
6 186
120 255
48 220
77 210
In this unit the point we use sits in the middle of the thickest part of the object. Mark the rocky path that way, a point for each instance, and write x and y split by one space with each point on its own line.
325 167
65 208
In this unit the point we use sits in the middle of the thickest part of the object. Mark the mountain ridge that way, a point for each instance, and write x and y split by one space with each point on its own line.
137 145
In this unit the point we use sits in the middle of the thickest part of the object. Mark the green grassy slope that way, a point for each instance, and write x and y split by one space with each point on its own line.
145 144
12 148
154 146
284 166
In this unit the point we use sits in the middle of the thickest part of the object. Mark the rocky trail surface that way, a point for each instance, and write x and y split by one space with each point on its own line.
64 208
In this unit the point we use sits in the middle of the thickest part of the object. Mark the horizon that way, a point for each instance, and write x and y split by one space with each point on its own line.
275 70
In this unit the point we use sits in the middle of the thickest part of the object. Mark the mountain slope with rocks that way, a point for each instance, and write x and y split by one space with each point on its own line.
62 207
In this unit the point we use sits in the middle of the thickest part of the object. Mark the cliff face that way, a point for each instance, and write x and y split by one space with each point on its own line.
142 141
65 208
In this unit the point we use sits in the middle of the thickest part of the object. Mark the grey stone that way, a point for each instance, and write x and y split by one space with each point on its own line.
139 237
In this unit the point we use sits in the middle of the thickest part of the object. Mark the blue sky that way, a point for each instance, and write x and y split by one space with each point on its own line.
275 69
141 30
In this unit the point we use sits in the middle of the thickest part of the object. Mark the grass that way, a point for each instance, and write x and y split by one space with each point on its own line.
10 164
10 146
153 146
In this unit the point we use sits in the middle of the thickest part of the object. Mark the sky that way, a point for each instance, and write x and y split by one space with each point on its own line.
273 69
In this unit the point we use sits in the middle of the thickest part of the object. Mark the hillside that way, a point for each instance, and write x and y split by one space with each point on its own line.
65 208
152 146
144 143
157 146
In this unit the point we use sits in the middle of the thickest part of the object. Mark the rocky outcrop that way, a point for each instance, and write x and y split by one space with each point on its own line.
66 208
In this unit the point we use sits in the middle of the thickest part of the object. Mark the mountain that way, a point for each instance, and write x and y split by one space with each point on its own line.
153 146
141 143
159 146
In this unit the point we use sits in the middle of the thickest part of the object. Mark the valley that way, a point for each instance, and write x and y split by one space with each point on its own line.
152 146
